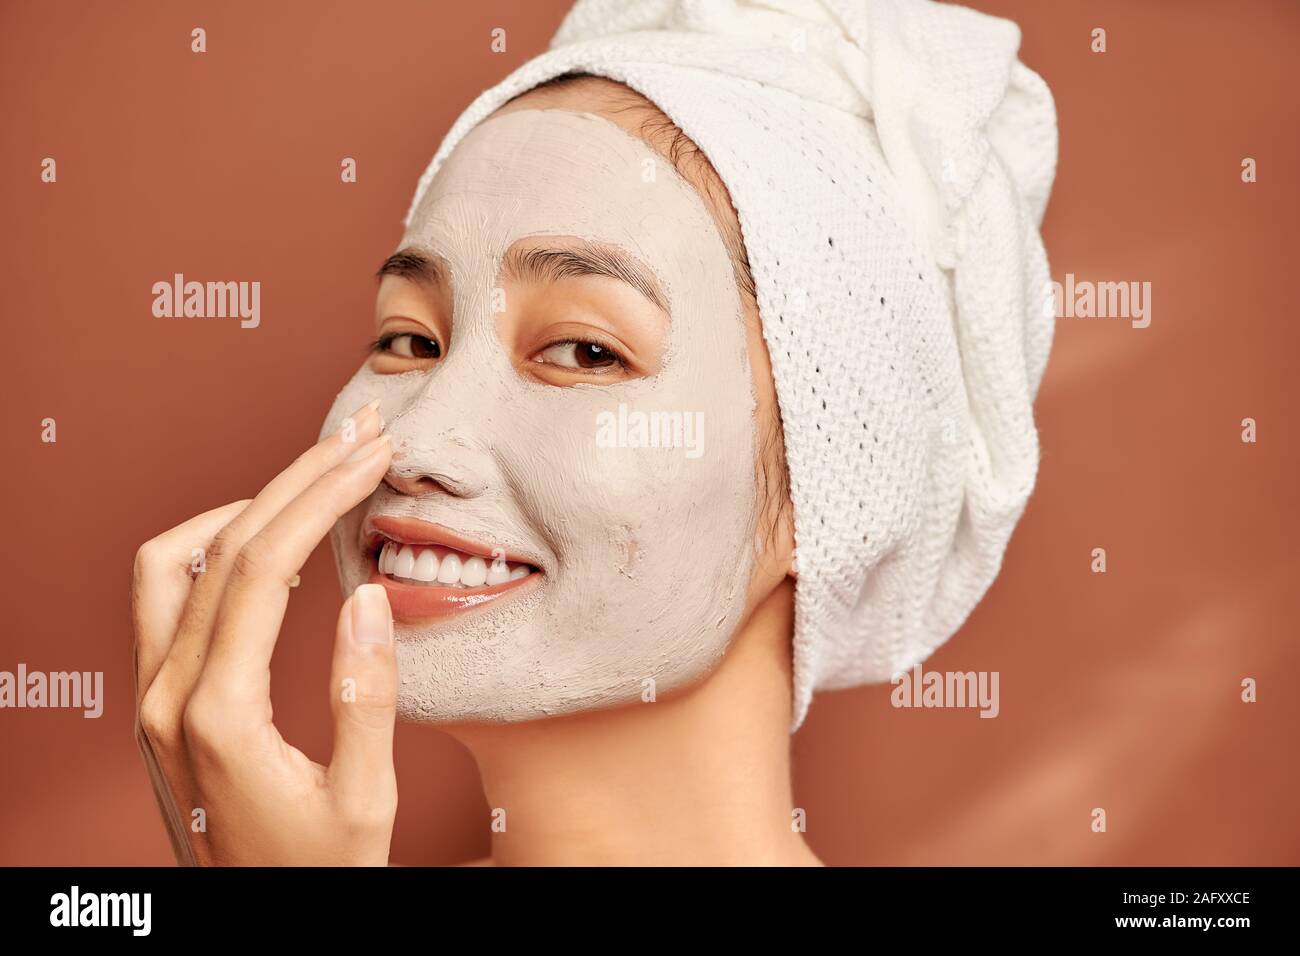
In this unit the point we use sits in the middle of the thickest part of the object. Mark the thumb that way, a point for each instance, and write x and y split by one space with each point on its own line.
363 697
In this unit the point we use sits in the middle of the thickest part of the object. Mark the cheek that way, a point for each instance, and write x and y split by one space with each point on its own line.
356 393
395 392
668 523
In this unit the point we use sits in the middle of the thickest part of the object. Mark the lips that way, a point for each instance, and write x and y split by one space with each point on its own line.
430 571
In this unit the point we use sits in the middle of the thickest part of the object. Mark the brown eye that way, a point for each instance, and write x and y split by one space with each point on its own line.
581 355
591 355
409 345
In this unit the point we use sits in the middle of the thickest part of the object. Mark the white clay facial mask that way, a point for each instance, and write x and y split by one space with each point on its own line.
617 563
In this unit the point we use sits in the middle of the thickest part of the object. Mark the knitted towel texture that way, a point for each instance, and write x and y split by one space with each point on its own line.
889 162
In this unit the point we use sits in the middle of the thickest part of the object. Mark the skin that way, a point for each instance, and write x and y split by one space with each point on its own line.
702 776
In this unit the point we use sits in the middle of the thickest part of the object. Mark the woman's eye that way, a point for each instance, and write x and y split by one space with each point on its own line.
581 355
407 345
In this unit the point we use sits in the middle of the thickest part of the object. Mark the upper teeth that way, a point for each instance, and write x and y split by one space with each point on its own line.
426 564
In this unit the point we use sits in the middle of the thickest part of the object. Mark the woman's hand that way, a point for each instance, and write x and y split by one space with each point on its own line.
232 791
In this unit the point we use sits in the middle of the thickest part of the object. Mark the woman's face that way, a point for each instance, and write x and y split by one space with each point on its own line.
562 364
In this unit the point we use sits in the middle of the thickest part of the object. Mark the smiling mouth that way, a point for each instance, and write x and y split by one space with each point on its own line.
445 567
429 571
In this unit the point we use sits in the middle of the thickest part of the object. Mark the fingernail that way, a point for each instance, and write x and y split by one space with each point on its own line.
357 425
372 621
368 449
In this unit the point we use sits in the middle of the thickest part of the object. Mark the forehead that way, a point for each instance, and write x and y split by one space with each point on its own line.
533 172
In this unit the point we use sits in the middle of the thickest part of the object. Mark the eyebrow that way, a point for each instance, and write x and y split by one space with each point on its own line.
582 258
414 265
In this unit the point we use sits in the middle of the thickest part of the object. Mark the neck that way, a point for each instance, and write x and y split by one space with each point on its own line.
696 778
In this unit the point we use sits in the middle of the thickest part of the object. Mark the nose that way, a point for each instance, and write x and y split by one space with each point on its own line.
443 431
434 460
411 482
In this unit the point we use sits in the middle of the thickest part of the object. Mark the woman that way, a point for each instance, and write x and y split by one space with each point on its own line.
565 488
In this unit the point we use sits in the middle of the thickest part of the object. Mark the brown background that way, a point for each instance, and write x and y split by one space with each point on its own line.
1118 690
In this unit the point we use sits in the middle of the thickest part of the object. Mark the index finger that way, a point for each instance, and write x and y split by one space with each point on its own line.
185 660
252 607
